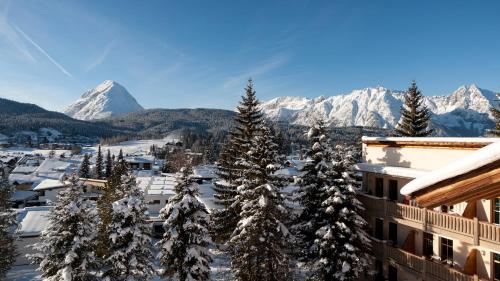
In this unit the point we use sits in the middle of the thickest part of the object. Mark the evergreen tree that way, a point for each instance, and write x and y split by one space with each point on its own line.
109 164
259 242
496 114
85 167
184 251
130 255
314 178
342 242
99 165
167 167
66 248
248 119
415 116
7 226
120 156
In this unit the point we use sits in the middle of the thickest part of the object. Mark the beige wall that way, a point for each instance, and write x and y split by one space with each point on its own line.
408 157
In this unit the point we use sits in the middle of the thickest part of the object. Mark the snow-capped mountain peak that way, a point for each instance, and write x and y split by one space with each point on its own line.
464 112
107 99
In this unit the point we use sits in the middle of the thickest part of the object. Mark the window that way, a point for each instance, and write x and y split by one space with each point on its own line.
379 229
41 193
393 190
428 245
446 249
393 273
496 266
379 187
393 233
154 202
379 269
496 211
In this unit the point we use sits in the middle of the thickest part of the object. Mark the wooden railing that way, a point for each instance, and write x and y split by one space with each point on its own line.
427 268
476 231
490 232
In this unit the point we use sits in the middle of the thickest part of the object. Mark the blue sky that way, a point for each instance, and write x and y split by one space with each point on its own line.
200 53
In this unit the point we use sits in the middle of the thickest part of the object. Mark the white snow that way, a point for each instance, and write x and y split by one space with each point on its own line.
49 184
433 139
33 220
380 107
389 170
486 155
107 99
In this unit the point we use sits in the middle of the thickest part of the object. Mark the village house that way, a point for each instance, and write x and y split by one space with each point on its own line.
432 206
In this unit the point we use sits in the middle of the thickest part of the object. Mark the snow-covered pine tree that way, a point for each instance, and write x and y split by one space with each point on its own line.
85 167
415 116
109 164
130 251
184 251
310 193
66 248
342 242
496 114
99 165
120 155
7 226
248 119
258 244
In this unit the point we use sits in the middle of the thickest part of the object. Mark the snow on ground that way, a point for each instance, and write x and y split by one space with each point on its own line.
135 146
23 273
20 151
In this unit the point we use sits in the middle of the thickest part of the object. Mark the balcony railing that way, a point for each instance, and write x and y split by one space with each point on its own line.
474 231
421 266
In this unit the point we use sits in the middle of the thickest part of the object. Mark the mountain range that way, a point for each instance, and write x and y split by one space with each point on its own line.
465 112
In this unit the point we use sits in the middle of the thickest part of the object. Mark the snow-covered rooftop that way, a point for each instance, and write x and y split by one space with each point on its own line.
33 221
49 184
486 155
432 139
390 170
24 169
22 195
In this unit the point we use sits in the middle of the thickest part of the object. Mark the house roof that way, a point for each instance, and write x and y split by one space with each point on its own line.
33 221
430 142
49 184
490 154
390 170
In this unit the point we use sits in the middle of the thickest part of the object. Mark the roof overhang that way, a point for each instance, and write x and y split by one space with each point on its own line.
482 183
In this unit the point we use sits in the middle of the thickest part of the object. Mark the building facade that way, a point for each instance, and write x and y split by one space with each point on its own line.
432 207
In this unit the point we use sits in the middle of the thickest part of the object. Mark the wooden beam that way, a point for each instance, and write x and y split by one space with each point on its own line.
482 183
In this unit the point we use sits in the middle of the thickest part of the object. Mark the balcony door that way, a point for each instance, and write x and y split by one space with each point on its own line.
446 249
393 273
496 210
379 187
393 190
393 233
496 266
379 229
428 245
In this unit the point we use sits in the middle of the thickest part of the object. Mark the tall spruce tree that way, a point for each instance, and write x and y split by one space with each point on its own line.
85 167
313 180
415 116
66 250
130 255
109 164
342 242
258 244
496 114
248 119
99 165
184 251
7 226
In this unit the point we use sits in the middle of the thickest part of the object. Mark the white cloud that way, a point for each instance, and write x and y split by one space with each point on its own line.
102 57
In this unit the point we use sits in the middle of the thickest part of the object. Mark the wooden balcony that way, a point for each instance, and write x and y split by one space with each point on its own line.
471 231
423 268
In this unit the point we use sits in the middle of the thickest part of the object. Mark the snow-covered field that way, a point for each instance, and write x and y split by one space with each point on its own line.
134 146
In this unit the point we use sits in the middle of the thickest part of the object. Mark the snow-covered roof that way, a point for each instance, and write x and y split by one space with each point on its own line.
432 139
24 169
287 172
140 159
22 178
22 195
389 170
49 184
486 155
33 221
